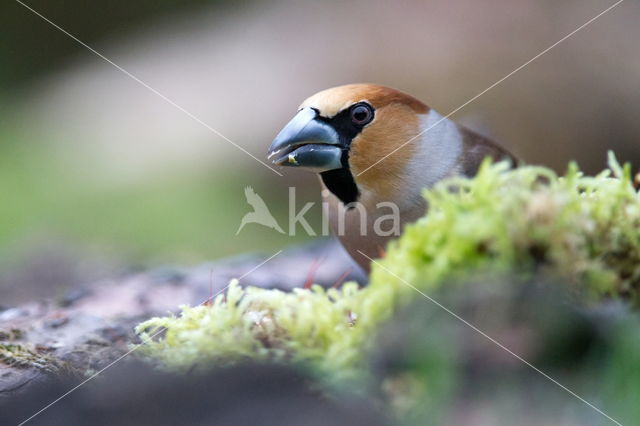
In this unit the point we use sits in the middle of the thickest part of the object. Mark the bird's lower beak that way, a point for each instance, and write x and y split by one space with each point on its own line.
307 142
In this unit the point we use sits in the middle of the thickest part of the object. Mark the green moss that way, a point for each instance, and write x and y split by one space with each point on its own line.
20 356
265 324
584 230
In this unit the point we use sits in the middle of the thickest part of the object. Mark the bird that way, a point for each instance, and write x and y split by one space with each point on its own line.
260 213
376 146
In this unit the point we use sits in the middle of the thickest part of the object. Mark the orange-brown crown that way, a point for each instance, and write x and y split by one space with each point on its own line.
331 101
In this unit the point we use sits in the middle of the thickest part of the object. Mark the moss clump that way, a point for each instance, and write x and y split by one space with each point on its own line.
584 230
303 325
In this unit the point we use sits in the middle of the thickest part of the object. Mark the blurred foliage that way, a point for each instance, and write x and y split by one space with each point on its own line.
40 49
184 216
177 217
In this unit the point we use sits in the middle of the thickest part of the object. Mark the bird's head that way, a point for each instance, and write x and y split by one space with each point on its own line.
341 132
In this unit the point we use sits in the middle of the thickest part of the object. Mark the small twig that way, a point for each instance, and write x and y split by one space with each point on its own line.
341 279
312 273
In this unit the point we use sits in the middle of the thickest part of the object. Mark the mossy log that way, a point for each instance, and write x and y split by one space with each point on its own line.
92 325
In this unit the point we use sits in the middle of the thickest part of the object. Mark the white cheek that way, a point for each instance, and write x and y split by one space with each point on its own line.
438 150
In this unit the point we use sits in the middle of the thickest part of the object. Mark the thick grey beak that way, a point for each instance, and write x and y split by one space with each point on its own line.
307 142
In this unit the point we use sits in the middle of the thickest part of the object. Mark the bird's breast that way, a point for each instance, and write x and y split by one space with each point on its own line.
364 228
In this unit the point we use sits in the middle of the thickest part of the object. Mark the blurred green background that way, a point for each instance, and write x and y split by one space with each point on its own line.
98 174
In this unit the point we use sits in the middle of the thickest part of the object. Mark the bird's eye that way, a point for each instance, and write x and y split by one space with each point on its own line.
361 114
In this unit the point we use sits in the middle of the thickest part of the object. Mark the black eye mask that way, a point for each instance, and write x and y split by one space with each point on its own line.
348 124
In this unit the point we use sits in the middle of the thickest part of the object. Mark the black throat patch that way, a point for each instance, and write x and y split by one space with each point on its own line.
340 182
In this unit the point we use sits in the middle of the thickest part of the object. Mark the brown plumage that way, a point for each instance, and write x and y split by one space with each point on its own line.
372 144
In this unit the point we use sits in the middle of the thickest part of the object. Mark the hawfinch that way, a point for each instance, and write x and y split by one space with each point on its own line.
369 145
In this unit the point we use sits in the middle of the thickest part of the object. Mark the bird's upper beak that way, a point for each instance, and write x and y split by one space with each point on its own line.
307 142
